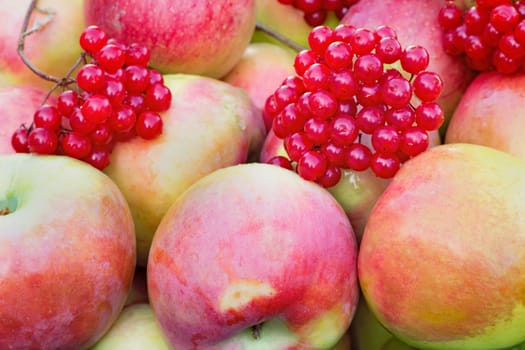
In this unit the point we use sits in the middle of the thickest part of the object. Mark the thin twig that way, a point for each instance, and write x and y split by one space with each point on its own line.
24 32
279 37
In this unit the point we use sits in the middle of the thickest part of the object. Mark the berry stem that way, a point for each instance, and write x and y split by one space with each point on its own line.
256 331
25 31
279 37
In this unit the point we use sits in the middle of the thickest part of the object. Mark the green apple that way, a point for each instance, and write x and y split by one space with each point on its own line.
67 252
442 259
135 329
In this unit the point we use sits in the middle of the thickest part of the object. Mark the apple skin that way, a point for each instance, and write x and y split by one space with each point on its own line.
261 70
277 251
415 23
67 252
20 103
285 20
53 49
356 192
209 125
491 113
194 37
441 263
135 329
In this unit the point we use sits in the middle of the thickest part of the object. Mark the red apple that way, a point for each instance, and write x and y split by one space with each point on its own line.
194 37
209 125
67 252
19 103
262 68
415 23
253 257
492 113
53 49
135 329
441 263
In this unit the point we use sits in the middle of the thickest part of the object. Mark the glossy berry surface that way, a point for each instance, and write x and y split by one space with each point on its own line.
347 108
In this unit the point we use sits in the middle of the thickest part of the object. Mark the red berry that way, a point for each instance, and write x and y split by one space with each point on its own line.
428 86
386 140
388 50
396 92
137 102
303 61
369 119
312 165
316 77
363 41
19 140
331 177
384 166
42 141
80 123
47 116
90 78
338 55
414 59
281 161
102 135
450 16
296 145
67 101
322 104
158 97
358 157
76 145
342 85
414 141
93 39
400 118
504 18
97 109
122 119
149 125
317 130
136 79
137 55
99 159
154 77
115 92
344 130
429 116
368 68
315 18
111 58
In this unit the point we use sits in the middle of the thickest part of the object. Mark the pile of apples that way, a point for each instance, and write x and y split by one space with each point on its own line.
191 240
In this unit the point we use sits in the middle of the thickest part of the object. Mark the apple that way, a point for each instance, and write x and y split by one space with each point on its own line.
286 20
366 331
67 252
53 49
19 103
261 70
135 329
253 257
356 192
441 263
415 23
491 113
193 37
396 344
209 125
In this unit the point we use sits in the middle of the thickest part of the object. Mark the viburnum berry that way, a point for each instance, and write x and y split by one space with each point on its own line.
116 98
489 35
351 110
315 12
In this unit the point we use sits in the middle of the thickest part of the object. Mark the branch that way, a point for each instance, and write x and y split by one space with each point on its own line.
24 32
279 37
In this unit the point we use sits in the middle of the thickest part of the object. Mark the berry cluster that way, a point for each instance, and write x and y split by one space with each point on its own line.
490 35
346 109
316 11
117 97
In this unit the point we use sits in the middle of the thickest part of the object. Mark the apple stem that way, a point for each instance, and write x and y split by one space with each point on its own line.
279 37
4 211
256 331
25 31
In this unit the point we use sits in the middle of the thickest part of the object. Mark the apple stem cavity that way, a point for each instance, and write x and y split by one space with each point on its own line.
256 331
39 25
8 205
279 37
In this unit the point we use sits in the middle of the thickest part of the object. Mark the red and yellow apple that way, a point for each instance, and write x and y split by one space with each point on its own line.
261 70
254 257
491 113
67 252
210 125
442 260
53 49
193 37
